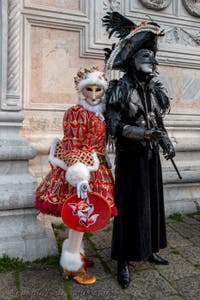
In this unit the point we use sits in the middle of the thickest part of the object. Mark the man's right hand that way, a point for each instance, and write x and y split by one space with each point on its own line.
153 135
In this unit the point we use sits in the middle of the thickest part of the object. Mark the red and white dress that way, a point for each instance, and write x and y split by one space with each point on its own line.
84 134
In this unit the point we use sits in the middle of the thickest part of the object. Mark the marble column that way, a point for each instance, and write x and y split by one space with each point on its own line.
21 233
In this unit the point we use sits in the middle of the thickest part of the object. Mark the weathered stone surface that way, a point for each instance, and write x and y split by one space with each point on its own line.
190 253
178 268
186 230
189 287
99 270
193 7
149 284
155 4
197 217
172 297
190 220
89 251
103 238
40 285
23 236
174 238
8 288
107 289
105 255
196 241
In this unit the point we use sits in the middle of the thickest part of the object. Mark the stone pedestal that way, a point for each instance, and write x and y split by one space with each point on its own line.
21 234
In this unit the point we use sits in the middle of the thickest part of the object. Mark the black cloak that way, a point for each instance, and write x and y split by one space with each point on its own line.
139 229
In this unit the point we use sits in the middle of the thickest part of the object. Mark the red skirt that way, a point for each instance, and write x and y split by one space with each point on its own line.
54 190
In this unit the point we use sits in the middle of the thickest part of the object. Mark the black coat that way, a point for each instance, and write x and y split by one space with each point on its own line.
139 229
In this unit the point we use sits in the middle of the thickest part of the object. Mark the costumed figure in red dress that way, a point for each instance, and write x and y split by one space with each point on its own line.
79 166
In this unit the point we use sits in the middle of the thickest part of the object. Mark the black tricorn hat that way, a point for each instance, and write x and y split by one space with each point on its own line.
132 38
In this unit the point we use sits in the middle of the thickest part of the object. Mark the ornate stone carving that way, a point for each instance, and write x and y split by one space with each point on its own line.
13 49
156 4
193 7
112 5
177 35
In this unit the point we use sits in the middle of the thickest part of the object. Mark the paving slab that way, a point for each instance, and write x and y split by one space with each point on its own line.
190 220
102 239
8 288
190 253
42 284
88 248
197 217
106 289
106 258
186 230
174 238
99 270
189 287
178 268
195 240
148 284
172 297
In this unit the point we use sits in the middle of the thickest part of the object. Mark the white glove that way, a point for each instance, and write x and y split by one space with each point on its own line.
82 189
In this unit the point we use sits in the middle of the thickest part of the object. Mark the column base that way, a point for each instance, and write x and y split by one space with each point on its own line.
22 235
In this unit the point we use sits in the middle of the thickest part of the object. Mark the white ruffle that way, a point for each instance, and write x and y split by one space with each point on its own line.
96 109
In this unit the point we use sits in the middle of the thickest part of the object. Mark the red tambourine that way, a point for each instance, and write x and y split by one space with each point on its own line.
86 215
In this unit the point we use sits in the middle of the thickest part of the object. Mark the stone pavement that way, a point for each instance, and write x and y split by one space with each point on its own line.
179 280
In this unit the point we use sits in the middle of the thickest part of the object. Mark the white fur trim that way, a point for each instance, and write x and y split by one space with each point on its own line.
56 162
68 260
96 109
76 173
95 77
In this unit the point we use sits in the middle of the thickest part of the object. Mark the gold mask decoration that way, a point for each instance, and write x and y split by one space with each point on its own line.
93 94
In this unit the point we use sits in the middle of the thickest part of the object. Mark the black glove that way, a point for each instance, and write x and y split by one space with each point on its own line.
153 135
133 132
168 148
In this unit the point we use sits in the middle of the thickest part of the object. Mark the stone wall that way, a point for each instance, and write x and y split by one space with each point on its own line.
60 36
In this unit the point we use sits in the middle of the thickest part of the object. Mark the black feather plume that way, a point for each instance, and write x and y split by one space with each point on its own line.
162 97
116 23
108 52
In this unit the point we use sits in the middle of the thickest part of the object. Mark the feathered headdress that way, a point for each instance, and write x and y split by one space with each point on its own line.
133 37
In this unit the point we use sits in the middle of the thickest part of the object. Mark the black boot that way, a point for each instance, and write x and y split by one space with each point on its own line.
123 274
156 259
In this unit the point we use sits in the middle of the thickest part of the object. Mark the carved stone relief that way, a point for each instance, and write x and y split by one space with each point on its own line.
112 5
193 7
181 36
156 4
11 36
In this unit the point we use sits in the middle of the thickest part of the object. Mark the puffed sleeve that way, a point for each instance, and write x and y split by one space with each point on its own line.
68 153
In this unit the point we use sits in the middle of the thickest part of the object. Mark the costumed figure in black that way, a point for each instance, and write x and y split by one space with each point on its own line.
136 104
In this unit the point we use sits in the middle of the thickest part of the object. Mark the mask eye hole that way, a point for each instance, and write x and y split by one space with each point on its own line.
89 89
98 90
146 55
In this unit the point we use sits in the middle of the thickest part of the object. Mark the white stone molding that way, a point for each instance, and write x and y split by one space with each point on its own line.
29 21
179 32
96 37
41 9
93 37
183 195
21 235
156 4
193 7
112 5
11 55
